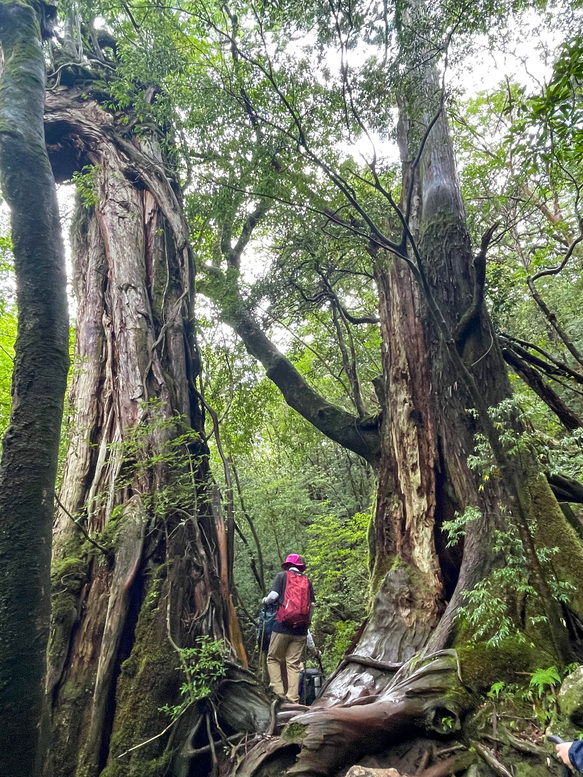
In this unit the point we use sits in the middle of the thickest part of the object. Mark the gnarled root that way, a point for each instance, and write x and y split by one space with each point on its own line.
425 694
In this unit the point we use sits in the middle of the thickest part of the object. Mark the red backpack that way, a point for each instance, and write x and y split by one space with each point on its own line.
295 609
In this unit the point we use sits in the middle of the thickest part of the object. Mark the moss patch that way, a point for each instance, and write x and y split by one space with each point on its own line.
294 732
148 680
483 665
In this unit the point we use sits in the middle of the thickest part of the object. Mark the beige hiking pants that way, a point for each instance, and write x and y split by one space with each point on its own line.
285 652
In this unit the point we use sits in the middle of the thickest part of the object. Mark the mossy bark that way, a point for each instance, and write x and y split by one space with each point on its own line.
430 423
30 446
142 495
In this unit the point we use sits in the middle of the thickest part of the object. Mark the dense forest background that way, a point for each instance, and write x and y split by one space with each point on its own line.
324 274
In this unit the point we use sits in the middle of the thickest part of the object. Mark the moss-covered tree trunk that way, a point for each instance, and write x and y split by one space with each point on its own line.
31 443
429 428
428 433
136 474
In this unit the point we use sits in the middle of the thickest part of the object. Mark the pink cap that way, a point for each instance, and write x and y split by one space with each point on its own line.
293 560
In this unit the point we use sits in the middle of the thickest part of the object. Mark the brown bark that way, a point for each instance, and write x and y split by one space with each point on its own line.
119 622
31 443
427 432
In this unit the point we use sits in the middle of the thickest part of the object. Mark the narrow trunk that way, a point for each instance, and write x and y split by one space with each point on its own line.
31 443
137 466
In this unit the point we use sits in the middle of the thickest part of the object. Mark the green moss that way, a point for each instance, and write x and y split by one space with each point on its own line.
524 769
571 697
381 566
554 531
109 536
69 571
483 665
148 680
158 767
293 732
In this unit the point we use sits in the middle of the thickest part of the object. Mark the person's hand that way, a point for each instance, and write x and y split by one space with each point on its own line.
563 753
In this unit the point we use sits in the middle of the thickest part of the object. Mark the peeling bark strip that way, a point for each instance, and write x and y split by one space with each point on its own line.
30 446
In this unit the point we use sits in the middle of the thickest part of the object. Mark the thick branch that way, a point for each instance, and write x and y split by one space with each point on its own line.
335 423
472 314
342 427
566 489
533 380
559 367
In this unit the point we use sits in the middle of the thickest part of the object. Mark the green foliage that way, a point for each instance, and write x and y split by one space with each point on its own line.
544 679
496 690
456 529
159 443
86 184
203 667
491 608
337 556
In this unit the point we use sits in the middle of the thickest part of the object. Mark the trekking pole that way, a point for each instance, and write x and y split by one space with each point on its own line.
304 681
319 660
558 741
262 629
262 651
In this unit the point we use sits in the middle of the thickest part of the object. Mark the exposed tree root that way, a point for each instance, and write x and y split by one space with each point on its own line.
426 694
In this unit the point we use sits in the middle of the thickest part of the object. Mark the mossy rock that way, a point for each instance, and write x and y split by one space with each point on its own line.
571 697
483 665
524 769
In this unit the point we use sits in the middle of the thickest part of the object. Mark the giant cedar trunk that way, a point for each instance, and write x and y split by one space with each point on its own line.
428 431
136 473
424 479
31 443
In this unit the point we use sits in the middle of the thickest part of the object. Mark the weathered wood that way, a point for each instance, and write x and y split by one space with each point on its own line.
127 561
113 665
422 695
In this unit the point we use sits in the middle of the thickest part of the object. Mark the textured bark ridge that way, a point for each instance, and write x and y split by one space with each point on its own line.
31 443
136 475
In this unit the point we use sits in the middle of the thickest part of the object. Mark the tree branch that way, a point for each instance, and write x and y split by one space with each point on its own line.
472 314
533 380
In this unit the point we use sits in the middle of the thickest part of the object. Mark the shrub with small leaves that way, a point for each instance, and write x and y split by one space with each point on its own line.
204 667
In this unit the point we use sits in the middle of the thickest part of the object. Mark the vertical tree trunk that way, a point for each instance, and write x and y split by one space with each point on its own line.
428 430
30 446
137 466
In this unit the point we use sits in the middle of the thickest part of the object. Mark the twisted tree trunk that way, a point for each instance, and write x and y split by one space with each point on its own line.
428 434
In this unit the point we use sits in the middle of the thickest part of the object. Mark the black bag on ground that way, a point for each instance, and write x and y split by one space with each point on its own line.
311 682
265 624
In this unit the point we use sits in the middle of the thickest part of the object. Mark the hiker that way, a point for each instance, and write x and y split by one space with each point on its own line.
571 754
293 591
